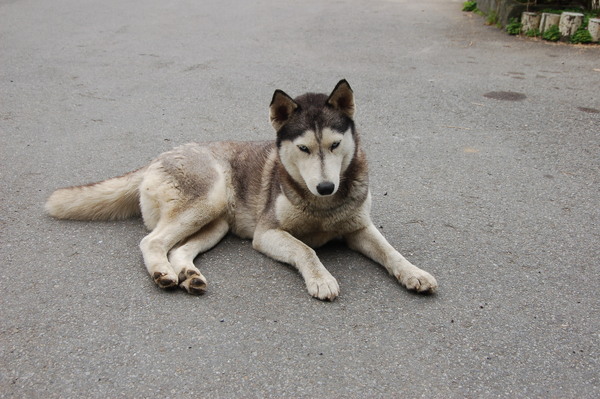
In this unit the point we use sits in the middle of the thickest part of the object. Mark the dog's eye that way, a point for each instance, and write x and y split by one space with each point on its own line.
304 148
335 145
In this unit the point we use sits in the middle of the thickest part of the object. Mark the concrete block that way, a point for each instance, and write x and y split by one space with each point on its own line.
594 28
570 22
529 21
548 20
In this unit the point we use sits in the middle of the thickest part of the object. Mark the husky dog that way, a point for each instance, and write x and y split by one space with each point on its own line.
289 196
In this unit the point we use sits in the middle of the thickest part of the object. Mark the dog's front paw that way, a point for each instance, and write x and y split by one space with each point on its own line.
418 280
323 287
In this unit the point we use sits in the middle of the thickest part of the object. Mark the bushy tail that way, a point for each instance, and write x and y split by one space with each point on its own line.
116 198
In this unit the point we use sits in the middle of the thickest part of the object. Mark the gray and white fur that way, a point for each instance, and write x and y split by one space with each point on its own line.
288 196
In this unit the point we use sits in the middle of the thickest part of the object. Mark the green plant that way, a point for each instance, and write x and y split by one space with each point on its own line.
552 34
492 18
581 36
533 33
586 21
469 6
513 27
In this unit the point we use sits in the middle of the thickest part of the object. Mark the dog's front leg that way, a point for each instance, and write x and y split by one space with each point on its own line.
282 246
370 242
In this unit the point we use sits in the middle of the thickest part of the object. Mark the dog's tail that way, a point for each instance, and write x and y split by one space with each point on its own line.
116 198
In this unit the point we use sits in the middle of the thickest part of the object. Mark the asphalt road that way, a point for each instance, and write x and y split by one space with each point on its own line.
494 193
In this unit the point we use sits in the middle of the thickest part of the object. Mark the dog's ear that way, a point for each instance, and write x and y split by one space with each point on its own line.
342 98
281 108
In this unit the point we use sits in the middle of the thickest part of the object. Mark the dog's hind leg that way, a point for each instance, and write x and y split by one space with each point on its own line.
182 257
156 245
182 192
179 219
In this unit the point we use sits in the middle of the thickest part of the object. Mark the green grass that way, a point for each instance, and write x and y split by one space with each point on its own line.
469 6
513 27
582 36
552 34
492 18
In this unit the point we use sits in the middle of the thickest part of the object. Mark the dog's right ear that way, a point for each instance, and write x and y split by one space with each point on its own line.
281 108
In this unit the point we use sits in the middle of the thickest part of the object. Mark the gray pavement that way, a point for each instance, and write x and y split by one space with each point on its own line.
498 199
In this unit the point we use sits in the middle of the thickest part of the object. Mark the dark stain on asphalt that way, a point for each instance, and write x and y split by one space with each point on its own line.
505 95
589 110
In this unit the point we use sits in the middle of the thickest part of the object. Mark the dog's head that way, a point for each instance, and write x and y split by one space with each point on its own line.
316 136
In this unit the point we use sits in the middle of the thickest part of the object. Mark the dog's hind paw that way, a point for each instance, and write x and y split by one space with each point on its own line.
324 288
165 280
193 282
419 280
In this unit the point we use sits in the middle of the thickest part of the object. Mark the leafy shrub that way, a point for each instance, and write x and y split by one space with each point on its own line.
469 6
513 27
581 36
552 34
492 18
533 33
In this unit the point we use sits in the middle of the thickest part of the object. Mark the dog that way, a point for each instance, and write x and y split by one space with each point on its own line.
288 196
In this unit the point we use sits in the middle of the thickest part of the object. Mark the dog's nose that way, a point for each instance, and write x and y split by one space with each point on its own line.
325 188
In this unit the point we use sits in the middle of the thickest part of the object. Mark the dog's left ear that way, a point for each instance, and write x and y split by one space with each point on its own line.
281 108
342 98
